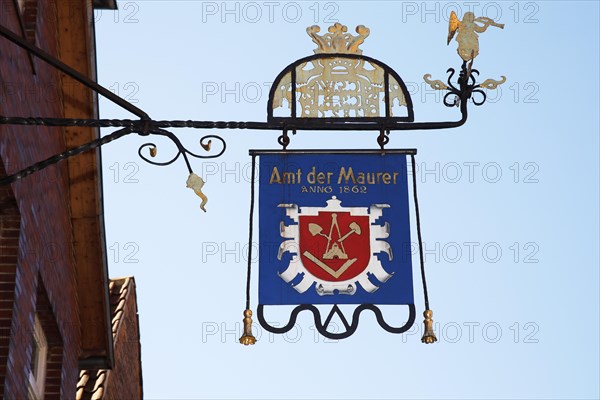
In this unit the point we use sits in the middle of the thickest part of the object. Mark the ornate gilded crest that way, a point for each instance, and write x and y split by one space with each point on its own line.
337 41
341 86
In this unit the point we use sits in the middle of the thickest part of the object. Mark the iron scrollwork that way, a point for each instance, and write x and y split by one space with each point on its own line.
468 49
349 327
205 143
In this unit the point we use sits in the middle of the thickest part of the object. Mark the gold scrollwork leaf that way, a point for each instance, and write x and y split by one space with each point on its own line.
492 83
435 84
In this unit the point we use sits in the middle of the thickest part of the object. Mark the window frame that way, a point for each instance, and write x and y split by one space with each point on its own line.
39 362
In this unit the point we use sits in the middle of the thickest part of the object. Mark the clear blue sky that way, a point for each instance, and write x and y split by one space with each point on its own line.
509 202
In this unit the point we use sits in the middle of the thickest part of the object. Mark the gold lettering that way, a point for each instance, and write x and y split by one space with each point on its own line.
360 178
386 178
346 175
289 178
321 178
310 178
371 179
275 177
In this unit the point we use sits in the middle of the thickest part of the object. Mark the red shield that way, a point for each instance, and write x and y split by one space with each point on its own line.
335 246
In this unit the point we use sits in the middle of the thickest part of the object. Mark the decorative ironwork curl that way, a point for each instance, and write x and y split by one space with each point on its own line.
482 93
467 86
455 100
451 72
472 77
452 90
205 142
383 139
322 326
284 139
152 147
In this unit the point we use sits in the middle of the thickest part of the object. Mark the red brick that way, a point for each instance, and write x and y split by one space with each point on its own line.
6 302
10 223
10 234
8 287
9 242
44 217
8 269
38 200
9 251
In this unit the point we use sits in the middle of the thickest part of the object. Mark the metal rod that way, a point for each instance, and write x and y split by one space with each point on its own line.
19 41
249 271
293 105
420 240
338 151
297 124
388 106
64 155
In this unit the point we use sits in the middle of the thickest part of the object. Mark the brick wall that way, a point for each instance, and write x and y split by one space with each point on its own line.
125 379
10 223
45 250
54 364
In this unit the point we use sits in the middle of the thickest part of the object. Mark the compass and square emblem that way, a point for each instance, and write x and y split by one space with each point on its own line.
332 253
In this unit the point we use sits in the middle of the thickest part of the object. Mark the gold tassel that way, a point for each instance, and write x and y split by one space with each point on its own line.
247 338
429 335
153 151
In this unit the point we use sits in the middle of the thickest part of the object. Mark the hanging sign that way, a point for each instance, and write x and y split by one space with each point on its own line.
334 228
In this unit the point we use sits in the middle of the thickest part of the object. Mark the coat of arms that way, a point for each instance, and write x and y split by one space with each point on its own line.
335 247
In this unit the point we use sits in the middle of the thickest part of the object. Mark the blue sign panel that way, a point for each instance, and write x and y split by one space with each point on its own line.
334 229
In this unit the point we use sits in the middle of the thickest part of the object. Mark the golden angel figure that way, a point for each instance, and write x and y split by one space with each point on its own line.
467 38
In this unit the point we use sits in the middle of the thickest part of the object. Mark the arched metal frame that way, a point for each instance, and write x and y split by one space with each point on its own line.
338 123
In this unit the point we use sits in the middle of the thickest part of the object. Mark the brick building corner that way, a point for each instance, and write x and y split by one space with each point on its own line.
56 315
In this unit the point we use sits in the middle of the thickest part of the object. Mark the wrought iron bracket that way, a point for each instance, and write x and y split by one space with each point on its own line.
458 95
